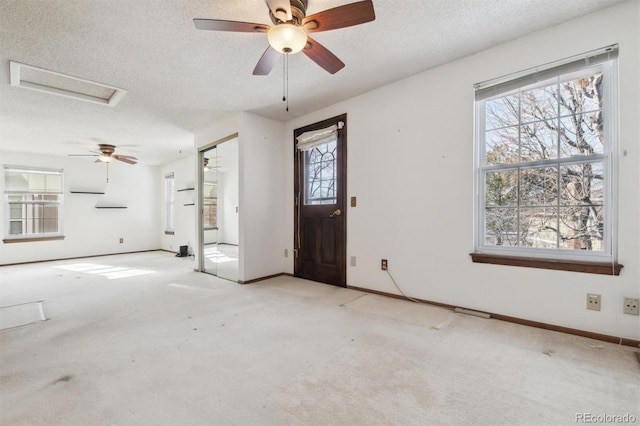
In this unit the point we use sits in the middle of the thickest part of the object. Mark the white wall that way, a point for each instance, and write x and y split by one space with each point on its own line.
87 230
184 216
263 157
410 163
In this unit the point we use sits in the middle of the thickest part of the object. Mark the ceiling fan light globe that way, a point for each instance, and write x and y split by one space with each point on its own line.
287 38
105 158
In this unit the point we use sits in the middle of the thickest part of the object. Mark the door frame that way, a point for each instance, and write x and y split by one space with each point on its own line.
341 190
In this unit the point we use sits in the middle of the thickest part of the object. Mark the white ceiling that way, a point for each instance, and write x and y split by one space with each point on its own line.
180 79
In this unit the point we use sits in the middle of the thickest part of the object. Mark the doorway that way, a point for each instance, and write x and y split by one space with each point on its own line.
320 169
219 210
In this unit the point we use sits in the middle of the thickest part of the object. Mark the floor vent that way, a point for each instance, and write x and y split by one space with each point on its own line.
473 313
55 83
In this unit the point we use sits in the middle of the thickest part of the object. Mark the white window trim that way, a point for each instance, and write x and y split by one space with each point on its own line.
610 106
169 204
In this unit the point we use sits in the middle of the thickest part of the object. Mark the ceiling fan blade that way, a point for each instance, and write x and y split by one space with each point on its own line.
126 159
267 61
281 9
322 56
235 26
83 155
340 17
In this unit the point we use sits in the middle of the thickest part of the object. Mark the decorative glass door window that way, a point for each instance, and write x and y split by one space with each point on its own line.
320 174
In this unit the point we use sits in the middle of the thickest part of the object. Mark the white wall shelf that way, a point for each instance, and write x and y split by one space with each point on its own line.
87 192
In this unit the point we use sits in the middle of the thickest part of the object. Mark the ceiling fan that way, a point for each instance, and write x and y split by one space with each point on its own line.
207 167
106 155
291 26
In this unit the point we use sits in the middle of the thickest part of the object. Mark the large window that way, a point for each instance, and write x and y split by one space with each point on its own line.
545 161
169 201
33 203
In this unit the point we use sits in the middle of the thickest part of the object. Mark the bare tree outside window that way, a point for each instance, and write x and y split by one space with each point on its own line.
320 173
544 165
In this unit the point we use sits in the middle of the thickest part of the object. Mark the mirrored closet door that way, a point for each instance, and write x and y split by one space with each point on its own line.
219 201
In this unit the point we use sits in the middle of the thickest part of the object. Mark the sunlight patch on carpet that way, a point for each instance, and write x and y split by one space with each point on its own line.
110 272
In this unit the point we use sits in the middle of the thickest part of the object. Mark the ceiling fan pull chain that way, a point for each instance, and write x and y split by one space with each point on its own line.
286 58
107 172
285 79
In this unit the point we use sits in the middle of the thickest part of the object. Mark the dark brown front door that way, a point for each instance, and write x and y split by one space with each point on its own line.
320 194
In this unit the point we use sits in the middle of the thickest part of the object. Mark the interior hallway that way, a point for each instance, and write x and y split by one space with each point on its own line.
142 339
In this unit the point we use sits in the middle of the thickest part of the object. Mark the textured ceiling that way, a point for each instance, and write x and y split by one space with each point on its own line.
180 79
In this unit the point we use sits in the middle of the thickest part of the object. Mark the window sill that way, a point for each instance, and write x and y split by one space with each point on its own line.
169 233
559 265
32 239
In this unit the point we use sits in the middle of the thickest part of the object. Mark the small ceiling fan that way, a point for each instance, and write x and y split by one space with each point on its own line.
106 155
291 26
207 167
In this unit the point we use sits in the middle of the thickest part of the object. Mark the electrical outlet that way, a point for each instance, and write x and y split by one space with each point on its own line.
286 252
384 264
121 240
631 306
353 261
593 302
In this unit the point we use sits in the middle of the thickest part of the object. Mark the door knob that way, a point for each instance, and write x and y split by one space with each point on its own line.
338 212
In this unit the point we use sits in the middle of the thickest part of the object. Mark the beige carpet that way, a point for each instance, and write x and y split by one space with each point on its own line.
175 347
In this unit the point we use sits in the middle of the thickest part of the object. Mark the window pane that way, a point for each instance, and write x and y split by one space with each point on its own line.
581 228
582 184
50 225
502 112
50 212
501 226
539 103
539 141
15 211
169 197
501 188
502 146
582 134
581 95
320 174
539 187
539 227
15 227
210 214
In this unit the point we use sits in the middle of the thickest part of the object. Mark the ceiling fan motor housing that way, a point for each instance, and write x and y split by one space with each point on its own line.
298 12
107 149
